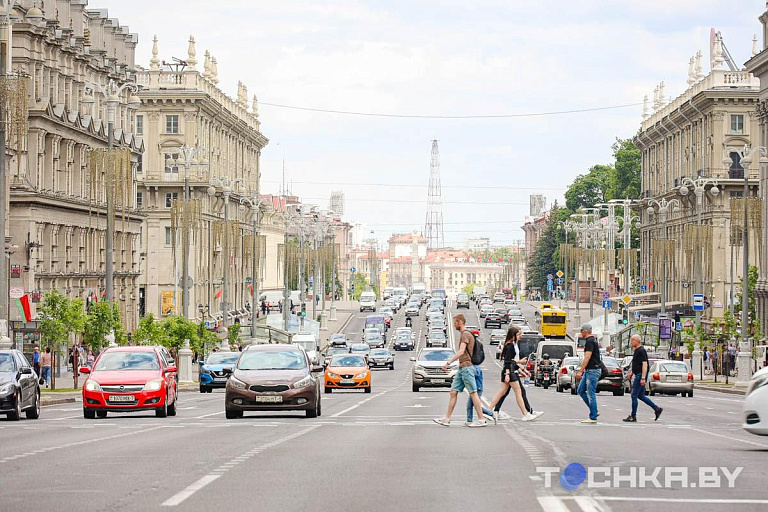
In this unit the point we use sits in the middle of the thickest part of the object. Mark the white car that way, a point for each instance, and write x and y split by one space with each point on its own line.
755 409
428 368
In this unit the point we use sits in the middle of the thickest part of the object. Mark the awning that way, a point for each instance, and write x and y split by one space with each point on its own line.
657 306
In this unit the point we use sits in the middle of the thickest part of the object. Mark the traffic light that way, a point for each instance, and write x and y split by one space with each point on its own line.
624 310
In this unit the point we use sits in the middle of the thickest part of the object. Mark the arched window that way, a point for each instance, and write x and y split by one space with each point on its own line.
735 171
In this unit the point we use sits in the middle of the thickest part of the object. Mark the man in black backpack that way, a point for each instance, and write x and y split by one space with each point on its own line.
465 377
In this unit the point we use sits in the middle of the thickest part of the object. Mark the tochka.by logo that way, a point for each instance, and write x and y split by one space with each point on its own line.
576 475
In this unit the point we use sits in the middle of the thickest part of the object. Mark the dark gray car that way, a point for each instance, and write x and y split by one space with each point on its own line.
19 387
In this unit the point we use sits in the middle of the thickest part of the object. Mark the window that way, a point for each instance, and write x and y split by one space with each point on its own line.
171 163
139 199
140 164
168 238
170 197
139 125
172 124
737 123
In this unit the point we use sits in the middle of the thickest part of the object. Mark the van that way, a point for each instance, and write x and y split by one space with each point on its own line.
309 343
368 301
557 350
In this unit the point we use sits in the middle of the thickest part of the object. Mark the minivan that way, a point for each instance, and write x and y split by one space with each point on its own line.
368 301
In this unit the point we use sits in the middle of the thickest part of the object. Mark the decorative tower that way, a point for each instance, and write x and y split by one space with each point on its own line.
434 225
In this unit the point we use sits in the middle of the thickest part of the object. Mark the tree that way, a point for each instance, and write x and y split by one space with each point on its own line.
361 284
542 261
150 332
468 288
234 334
51 313
177 329
102 320
589 189
625 175
754 328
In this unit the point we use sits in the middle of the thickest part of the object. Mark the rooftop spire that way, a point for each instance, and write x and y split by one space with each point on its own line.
717 53
191 53
699 69
154 62
755 48
645 107
207 65
691 71
214 71
255 107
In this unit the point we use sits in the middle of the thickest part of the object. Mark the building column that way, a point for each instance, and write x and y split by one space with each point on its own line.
761 288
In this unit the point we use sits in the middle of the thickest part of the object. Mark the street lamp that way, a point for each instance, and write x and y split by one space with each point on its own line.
699 187
189 158
664 206
112 93
227 186
566 226
746 161
254 203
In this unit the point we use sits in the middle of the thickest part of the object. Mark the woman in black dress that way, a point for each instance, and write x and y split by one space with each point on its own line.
509 377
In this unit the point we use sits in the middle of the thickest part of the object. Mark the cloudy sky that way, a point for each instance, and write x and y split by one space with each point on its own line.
441 58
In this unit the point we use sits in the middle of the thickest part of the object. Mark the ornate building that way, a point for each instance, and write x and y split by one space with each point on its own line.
184 108
57 201
700 135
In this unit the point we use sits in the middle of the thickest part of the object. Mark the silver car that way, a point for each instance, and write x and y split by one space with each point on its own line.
428 368
567 367
669 378
498 336
412 310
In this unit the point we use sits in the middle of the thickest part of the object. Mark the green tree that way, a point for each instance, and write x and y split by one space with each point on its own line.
625 174
361 284
542 262
150 332
234 334
177 329
754 327
589 189
469 288
50 314
205 339
102 320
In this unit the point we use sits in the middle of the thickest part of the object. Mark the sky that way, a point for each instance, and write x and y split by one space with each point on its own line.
441 58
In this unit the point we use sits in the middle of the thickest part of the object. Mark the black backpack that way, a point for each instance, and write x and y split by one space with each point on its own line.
478 353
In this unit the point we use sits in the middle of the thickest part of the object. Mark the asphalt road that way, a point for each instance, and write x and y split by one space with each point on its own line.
381 451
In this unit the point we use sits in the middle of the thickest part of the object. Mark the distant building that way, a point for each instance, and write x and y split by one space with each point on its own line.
538 205
477 244
336 204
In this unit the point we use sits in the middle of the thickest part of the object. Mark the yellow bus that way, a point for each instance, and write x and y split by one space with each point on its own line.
552 323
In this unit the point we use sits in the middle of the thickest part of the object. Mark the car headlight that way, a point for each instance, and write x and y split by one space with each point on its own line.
153 385
92 385
360 375
332 375
418 368
237 383
206 371
7 388
757 383
306 381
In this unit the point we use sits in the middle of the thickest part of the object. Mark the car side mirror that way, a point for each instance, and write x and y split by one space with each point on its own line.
413 359
317 369
171 369
84 369
26 370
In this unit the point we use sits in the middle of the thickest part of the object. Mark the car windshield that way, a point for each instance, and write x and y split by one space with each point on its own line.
403 336
348 361
111 361
611 362
674 367
557 351
437 334
333 351
380 352
272 360
437 355
360 348
570 360
499 332
6 363
223 358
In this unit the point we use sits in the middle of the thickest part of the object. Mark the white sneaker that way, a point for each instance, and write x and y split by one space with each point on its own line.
536 414
495 417
467 423
443 421
529 417
478 423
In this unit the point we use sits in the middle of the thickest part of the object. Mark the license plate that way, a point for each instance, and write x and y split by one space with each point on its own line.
674 378
347 381
268 399
438 381
122 398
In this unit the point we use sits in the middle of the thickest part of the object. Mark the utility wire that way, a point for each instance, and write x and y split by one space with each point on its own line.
358 184
427 116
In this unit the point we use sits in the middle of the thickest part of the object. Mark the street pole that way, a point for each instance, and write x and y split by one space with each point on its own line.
333 276
256 262
286 290
225 287
664 265
745 268
4 282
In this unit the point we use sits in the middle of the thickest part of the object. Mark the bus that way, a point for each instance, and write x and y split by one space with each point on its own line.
508 293
439 293
552 323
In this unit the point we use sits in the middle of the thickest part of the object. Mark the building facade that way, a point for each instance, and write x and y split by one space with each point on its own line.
57 200
700 135
182 107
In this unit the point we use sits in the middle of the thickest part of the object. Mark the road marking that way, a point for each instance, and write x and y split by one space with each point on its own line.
417 406
217 473
552 504
703 501
730 438
208 415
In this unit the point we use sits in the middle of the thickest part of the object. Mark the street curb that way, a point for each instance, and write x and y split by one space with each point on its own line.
728 391
57 401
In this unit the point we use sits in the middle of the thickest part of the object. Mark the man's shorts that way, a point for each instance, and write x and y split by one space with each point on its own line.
465 379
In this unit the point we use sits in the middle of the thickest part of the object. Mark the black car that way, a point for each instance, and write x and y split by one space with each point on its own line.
493 320
614 382
381 358
19 388
403 342
504 314
436 338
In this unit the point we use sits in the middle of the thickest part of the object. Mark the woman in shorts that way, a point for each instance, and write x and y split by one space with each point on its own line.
510 379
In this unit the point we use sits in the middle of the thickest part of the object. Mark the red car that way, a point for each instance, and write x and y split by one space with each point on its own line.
129 379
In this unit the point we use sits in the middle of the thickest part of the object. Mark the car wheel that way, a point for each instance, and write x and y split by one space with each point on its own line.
89 414
101 414
328 390
312 413
34 412
368 389
15 414
415 388
545 386
231 414
652 393
162 412
690 394
619 392
559 388
172 408
203 389
573 390
392 366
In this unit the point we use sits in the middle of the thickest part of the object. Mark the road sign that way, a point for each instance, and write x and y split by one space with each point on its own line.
679 326
549 286
606 304
606 295
559 280
626 299
550 277
643 288
353 270
698 302
560 273
16 292
637 315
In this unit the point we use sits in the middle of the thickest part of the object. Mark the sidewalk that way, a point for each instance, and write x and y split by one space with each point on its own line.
720 386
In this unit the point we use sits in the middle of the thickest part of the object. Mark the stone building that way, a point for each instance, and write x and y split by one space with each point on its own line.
57 209
182 107
702 133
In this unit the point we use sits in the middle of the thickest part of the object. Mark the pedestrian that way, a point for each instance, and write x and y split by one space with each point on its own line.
637 376
470 405
280 306
45 363
707 359
465 377
589 373
523 373
510 379
263 307
36 362
90 358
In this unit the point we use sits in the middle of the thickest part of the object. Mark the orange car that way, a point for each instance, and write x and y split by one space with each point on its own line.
348 371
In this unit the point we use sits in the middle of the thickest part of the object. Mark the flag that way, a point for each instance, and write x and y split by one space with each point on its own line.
24 310
218 294
250 288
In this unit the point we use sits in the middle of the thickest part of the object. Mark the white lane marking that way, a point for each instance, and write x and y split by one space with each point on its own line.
352 408
63 418
730 438
552 504
207 415
189 491
75 443
418 406
704 501
179 497
588 504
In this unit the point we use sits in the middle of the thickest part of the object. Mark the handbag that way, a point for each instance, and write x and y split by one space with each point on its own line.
41 381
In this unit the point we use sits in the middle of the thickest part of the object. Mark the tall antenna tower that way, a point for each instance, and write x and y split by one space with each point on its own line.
434 226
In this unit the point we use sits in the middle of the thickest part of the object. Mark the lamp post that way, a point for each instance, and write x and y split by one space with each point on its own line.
111 93
699 187
746 161
227 186
254 203
579 227
566 226
664 206
189 158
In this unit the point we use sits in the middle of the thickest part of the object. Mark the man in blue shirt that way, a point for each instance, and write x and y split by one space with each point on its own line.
470 406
